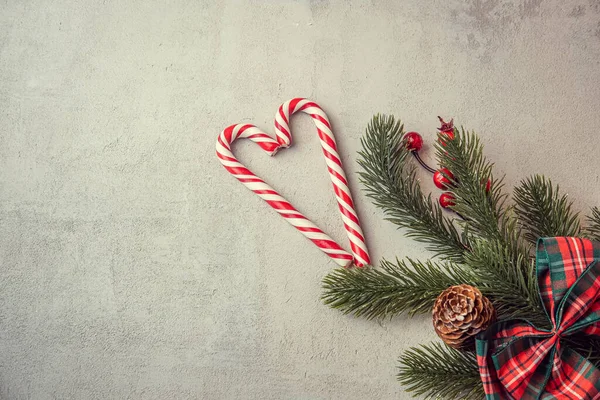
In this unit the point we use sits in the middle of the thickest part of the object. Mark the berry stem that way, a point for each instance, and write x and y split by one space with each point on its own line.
427 167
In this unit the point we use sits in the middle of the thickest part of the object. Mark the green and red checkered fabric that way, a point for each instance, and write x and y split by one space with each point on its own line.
519 361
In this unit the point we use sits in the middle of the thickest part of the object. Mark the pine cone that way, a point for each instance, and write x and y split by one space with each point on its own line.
461 312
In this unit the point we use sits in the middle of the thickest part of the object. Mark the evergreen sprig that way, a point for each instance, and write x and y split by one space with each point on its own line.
404 286
492 251
438 371
509 282
543 211
593 228
485 214
497 254
391 181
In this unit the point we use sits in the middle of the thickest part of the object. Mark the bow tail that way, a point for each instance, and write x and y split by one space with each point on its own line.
524 366
573 377
491 384
514 360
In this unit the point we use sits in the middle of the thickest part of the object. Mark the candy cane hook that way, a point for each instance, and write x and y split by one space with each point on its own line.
283 139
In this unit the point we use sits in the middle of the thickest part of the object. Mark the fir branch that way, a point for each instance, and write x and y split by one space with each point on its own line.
485 212
404 286
391 181
543 211
498 256
509 282
439 371
593 228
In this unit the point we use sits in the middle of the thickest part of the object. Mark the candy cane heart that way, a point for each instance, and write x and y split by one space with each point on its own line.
283 139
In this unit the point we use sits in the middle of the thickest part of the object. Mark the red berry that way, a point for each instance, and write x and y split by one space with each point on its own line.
414 141
440 180
446 135
447 199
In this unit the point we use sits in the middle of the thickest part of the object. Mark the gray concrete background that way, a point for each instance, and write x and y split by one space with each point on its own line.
133 266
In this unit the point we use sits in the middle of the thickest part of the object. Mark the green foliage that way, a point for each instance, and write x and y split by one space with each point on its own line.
491 250
593 220
404 286
390 180
412 286
438 371
485 213
497 254
509 282
543 211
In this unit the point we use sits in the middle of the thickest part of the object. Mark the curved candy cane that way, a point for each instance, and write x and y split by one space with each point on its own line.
359 255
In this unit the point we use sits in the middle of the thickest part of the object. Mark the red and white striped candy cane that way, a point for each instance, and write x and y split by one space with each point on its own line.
359 255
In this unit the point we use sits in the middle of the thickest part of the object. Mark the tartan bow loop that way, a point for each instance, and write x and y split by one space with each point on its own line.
521 361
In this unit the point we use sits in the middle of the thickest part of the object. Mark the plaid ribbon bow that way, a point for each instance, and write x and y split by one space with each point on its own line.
519 361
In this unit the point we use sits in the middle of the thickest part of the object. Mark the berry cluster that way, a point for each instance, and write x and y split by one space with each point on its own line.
442 177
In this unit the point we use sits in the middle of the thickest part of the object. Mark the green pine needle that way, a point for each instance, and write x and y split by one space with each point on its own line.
404 286
593 228
390 180
484 211
492 252
543 211
509 282
438 371
498 256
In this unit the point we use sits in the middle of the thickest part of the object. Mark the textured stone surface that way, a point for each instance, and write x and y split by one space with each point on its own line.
133 266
